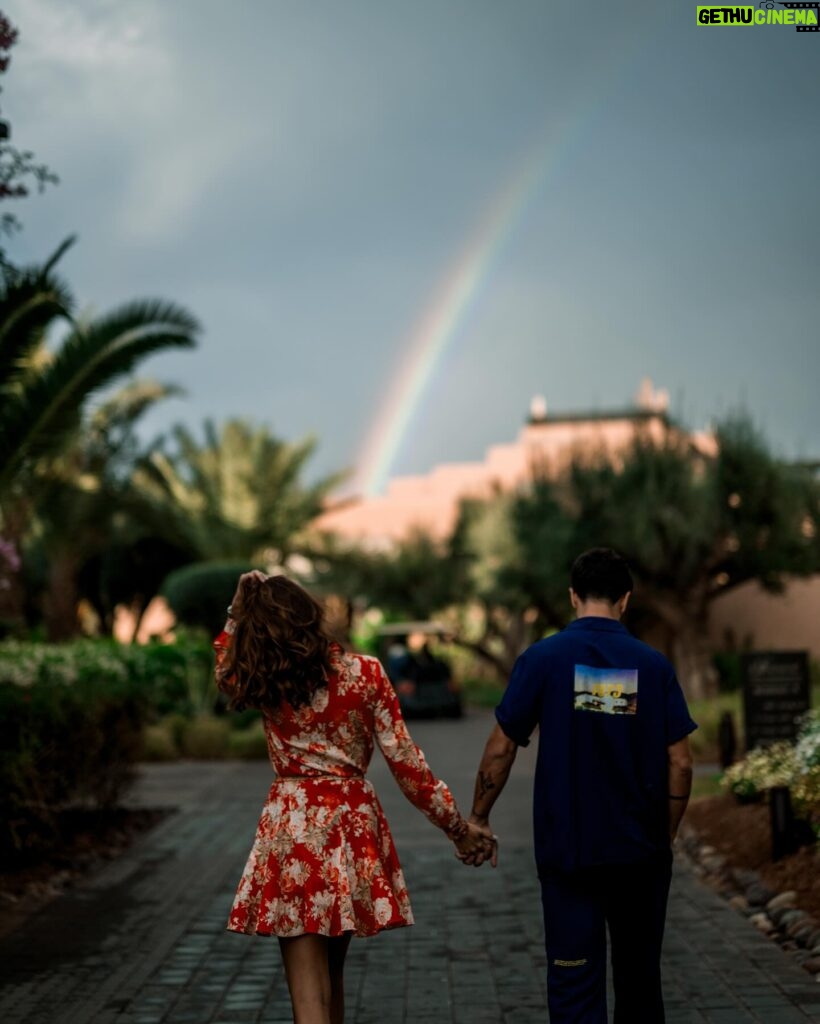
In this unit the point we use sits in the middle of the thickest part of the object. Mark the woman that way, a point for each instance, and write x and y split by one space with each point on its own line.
323 866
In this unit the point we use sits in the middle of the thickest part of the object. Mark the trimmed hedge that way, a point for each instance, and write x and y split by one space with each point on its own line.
63 744
199 594
72 721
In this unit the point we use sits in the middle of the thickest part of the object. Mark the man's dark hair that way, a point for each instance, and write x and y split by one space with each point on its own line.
600 573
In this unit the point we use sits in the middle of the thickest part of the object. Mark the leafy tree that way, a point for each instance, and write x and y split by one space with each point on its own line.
692 525
129 570
409 581
236 496
18 168
464 581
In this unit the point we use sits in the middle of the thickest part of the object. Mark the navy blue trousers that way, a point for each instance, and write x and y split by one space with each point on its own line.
629 898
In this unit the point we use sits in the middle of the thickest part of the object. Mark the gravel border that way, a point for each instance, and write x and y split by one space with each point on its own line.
776 915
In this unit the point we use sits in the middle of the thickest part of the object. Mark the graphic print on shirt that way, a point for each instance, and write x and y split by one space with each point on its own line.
612 691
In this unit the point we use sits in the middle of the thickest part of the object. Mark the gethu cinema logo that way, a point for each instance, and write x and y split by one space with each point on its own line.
804 16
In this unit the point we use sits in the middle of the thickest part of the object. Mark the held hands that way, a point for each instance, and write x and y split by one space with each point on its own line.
477 845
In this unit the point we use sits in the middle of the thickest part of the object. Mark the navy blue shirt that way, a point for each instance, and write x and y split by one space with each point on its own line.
607 707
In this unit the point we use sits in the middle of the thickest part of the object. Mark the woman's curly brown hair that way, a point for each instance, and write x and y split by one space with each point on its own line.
280 651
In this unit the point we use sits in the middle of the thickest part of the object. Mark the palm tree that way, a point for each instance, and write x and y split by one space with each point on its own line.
85 499
44 389
235 496
42 393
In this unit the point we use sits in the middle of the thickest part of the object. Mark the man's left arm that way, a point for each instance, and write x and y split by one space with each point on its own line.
680 782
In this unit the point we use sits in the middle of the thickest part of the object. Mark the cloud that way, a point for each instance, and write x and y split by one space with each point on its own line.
102 83
98 33
183 109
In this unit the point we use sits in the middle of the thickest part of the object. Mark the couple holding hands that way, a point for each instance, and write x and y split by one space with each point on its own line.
323 866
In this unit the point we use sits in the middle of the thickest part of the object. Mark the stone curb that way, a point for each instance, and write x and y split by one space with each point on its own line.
774 914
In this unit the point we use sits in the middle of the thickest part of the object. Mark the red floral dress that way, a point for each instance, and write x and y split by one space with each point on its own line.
323 861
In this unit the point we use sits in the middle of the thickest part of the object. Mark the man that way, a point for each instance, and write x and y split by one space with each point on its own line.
612 782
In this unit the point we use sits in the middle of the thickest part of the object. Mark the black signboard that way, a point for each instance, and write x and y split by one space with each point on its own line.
775 695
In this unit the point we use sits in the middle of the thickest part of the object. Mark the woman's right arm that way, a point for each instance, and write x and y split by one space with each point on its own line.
221 646
474 844
407 763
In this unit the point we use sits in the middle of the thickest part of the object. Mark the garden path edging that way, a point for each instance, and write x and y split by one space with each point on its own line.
776 915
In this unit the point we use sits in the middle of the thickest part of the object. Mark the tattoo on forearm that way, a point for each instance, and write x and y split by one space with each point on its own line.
485 783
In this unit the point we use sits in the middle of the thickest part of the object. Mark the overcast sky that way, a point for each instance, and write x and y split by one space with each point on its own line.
304 175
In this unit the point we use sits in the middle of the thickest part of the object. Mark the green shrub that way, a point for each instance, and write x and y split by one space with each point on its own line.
73 721
179 677
483 693
249 744
199 594
65 739
206 738
707 713
159 743
176 724
729 672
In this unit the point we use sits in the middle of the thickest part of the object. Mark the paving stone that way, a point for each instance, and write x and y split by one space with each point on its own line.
144 942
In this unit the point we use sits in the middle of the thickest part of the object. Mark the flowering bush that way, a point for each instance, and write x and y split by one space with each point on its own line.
63 744
9 563
172 677
807 749
796 765
72 721
806 787
760 770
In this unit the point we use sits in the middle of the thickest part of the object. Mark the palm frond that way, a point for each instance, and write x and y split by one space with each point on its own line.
58 253
29 303
128 404
35 421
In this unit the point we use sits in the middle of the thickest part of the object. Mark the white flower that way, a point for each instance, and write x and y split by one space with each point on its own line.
296 824
383 910
321 902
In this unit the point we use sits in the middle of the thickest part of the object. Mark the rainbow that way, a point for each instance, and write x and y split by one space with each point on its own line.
458 291
438 327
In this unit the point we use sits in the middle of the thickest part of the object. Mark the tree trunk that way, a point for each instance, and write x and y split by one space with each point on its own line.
478 648
515 635
12 603
686 625
692 657
62 597
13 594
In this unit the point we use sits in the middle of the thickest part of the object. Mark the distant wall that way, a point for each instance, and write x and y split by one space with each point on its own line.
749 617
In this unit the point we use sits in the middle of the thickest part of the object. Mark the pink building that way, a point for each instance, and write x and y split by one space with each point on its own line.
545 444
746 617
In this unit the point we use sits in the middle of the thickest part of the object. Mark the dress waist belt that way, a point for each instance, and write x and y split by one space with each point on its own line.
320 778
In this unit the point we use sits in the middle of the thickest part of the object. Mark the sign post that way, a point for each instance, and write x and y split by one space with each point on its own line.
775 695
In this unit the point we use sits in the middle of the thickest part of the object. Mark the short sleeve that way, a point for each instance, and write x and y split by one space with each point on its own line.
679 723
520 709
